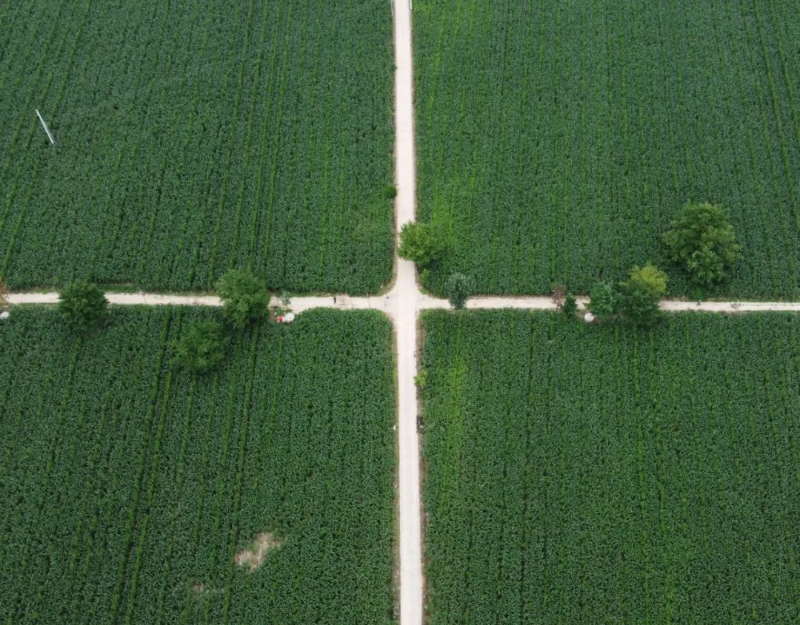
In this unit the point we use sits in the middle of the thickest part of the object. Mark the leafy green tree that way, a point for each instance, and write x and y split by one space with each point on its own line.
640 293
602 300
421 243
200 348
570 306
244 297
83 306
702 241
458 288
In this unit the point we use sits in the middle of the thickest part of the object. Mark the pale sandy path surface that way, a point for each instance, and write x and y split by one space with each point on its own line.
546 303
404 295
402 303
125 299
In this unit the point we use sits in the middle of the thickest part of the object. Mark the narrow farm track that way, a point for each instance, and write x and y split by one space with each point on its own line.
403 298
402 304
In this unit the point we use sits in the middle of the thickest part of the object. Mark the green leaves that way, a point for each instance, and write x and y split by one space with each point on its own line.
581 475
201 347
422 243
458 288
636 300
129 486
570 306
245 298
83 306
640 294
702 241
602 300
261 137
557 149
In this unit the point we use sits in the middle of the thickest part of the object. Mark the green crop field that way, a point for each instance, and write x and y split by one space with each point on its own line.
195 136
557 139
603 475
128 487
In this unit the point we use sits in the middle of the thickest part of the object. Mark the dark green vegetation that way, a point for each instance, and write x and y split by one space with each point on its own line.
422 243
702 241
585 474
128 486
83 306
640 293
558 139
603 299
200 347
458 288
570 306
244 298
193 137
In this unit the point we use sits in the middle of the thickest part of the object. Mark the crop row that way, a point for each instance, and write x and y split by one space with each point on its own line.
556 142
191 138
129 485
582 474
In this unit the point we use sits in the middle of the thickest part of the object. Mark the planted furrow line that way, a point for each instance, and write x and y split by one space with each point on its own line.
231 146
143 455
237 493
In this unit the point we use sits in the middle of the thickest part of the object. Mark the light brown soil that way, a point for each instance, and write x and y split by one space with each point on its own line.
253 556
199 589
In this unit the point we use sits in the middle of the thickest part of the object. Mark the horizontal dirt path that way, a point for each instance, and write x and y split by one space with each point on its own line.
125 299
405 295
547 303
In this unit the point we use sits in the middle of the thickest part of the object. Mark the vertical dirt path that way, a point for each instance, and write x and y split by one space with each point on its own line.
403 306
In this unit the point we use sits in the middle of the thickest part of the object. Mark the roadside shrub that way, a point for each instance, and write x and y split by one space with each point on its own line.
602 300
244 297
702 241
390 192
570 306
424 277
458 288
640 293
83 306
421 243
200 348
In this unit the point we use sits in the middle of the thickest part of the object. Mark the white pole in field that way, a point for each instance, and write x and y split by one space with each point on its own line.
46 129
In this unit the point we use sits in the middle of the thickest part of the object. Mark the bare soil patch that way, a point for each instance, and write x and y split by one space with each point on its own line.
253 556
